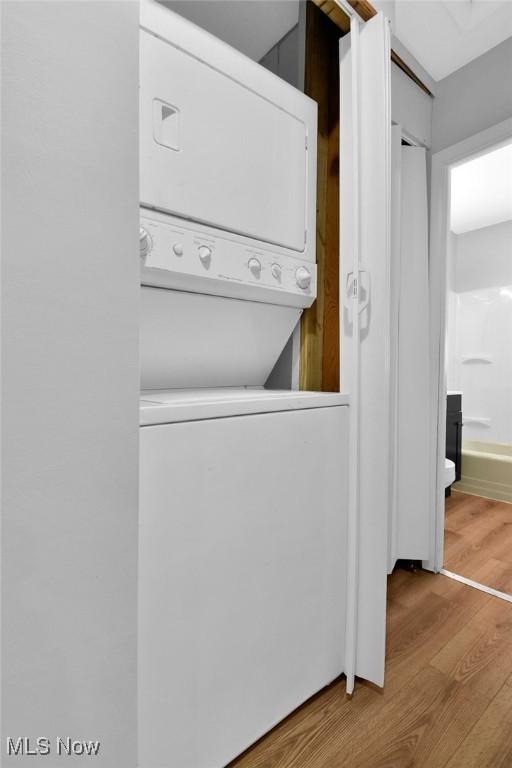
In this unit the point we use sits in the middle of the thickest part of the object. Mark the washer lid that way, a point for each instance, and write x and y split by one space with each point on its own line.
176 405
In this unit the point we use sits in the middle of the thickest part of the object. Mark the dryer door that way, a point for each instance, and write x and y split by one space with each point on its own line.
216 152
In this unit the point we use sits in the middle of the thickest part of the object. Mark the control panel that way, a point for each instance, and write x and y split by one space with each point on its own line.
174 256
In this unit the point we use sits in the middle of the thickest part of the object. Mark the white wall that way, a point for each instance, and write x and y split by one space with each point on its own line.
475 97
480 325
69 349
484 258
286 58
250 26
411 107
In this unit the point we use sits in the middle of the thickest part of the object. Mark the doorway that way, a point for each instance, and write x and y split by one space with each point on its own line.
471 300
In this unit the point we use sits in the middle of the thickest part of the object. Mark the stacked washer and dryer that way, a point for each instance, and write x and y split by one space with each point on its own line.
243 490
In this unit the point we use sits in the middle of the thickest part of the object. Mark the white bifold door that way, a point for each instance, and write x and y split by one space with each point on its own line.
410 519
365 203
384 340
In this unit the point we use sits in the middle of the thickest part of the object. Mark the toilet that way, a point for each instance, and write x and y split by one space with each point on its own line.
449 473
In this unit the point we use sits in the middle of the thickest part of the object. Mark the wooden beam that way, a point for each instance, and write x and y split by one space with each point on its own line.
331 340
319 359
336 14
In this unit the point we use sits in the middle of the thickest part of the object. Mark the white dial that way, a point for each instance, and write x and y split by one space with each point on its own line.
303 278
178 249
205 255
145 242
276 271
255 267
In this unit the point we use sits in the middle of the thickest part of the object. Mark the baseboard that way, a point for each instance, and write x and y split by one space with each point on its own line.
477 486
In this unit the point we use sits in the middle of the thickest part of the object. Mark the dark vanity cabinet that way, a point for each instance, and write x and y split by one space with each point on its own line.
454 431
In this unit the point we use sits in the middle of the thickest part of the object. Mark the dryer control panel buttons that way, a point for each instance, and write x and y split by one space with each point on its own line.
303 277
255 267
198 260
145 242
276 272
205 255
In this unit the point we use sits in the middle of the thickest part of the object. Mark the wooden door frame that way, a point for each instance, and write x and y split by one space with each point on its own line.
319 348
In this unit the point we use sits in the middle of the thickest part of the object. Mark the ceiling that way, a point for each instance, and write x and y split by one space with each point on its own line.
251 26
444 35
481 191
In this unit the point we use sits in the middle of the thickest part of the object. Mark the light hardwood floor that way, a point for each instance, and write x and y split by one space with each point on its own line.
447 701
478 540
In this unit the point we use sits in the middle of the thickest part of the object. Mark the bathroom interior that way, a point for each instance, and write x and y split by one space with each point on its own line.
478 521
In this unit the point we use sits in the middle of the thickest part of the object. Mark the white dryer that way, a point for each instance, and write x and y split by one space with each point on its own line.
243 490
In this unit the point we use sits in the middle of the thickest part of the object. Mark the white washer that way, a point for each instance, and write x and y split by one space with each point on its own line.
241 566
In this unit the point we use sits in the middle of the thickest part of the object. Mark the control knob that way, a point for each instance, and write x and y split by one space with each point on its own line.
205 255
255 267
303 278
276 271
145 242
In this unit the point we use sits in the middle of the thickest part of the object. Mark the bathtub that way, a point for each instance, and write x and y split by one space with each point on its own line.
486 470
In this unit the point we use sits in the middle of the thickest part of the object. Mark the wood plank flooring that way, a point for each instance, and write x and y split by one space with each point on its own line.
478 540
447 702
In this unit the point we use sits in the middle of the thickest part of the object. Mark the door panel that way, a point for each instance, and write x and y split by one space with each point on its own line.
396 209
413 524
365 124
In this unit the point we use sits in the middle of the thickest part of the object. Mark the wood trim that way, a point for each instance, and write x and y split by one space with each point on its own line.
408 71
319 358
336 14
364 8
316 77
331 329
366 11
